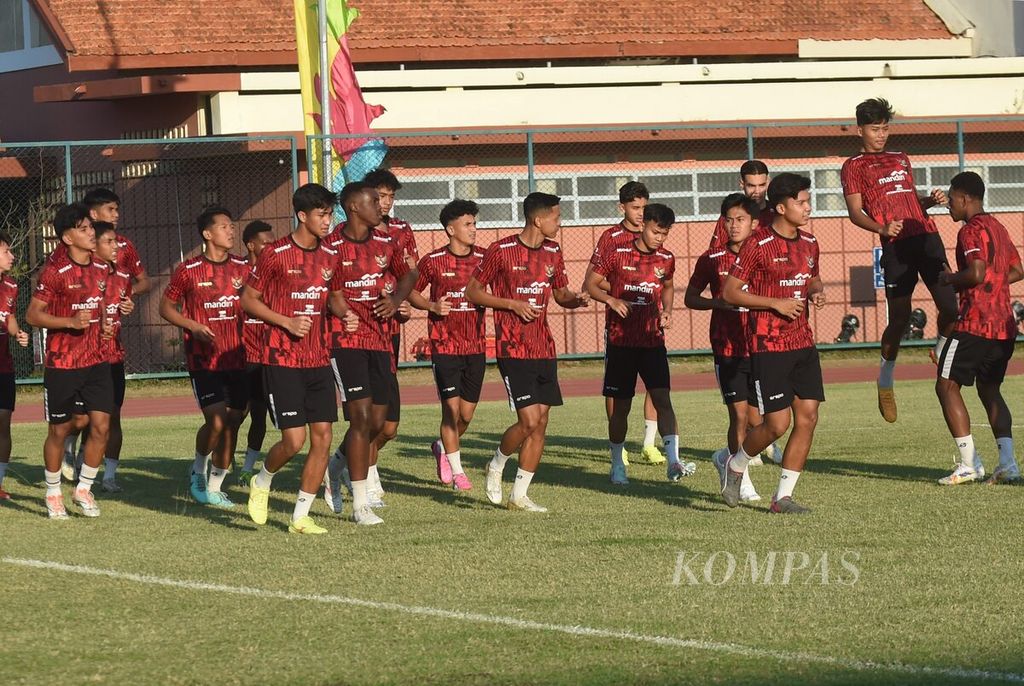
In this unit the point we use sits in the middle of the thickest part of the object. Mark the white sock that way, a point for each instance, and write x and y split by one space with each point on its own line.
616 450
746 482
302 505
251 456
201 463
216 479
373 477
3 472
52 482
359 499
109 468
499 459
650 431
672 448
965 444
522 482
787 482
740 460
886 372
264 478
455 460
86 477
1005 445
940 343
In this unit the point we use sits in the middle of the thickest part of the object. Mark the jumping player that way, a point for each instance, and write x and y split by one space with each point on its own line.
8 329
983 338
207 290
774 276
524 272
639 298
457 332
881 198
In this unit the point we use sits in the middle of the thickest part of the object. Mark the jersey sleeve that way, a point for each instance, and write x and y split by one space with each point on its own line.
424 278
701 276
409 243
48 285
851 178
973 245
598 256
176 289
560 278
264 269
670 271
489 266
130 260
398 266
749 260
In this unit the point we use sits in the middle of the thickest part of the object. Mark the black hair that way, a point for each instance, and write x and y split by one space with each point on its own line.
968 183
874 111
353 189
382 178
753 167
749 205
100 196
457 208
632 190
205 218
101 228
537 202
313 196
253 228
662 215
69 216
786 185
5 238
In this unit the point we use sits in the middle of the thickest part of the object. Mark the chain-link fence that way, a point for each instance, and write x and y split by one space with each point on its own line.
164 184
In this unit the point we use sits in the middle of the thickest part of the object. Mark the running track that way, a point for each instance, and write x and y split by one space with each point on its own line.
493 390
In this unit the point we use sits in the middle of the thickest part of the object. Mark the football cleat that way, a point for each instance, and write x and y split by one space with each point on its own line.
87 501
364 516
492 484
651 455
259 502
963 474
787 506
444 468
887 404
461 482
305 525
524 504
618 475
1005 475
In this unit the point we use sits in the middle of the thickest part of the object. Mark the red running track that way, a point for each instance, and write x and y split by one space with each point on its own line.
493 390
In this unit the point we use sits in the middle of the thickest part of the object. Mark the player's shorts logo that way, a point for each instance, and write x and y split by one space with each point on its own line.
382 260
326 273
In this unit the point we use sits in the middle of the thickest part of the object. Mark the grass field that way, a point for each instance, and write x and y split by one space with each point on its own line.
452 590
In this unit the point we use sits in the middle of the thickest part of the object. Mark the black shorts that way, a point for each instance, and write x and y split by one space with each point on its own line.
396 346
623 364
903 260
780 377
530 382
735 379
75 391
459 376
967 357
257 395
8 391
228 387
297 396
117 378
365 374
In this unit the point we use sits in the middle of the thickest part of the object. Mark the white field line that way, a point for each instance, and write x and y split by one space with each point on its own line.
527 625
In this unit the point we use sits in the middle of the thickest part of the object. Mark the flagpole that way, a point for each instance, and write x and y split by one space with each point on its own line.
325 92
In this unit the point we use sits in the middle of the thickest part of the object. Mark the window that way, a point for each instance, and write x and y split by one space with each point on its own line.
24 41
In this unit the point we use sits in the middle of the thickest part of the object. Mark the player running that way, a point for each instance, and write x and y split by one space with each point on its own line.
8 329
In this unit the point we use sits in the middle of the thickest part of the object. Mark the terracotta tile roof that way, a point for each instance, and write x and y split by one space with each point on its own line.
219 31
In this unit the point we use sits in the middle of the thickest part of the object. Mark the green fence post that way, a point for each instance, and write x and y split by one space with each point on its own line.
750 142
295 162
531 182
960 143
67 174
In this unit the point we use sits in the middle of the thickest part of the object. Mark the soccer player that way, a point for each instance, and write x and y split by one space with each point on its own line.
457 335
633 198
289 289
118 302
374 278
69 302
256 236
983 338
774 276
8 328
639 297
524 272
207 290
754 185
728 332
881 198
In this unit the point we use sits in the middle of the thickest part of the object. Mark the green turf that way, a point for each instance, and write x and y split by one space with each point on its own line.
939 568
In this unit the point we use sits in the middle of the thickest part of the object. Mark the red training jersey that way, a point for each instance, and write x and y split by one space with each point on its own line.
67 288
119 287
638 278
401 231
518 272
295 281
462 331
728 330
885 183
127 256
8 303
612 238
367 270
985 309
208 293
720 236
777 267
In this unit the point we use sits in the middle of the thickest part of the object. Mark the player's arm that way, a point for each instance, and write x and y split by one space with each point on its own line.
570 299
733 293
816 291
1015 274
937 197
855 210
694 298
968 277
171 313
253 305
597 287
668 299
38 316
141 283
15 332
338 306
478 294
387 307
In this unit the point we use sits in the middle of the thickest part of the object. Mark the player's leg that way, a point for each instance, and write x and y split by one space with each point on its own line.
990 381
617 428
208 438
236 398
362 415
932 262
798 447
7 398
652 365
97 394
312 476
957 367
649 452
386 415
447 373
112 457
470 381
619 387
900 277
257 412
533 420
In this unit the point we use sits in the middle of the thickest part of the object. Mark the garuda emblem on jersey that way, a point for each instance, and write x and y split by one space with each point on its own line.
810 262
326 273
388 288
102 285
382 260
550 270
236 282
659 273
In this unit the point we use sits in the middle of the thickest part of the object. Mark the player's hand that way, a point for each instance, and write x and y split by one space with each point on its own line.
22 339
204 333
79 320
892 229
127 306
442 307
582 300
943 278
524 310
299 326
618 306
790 308
939 197
351 321
410 261
385 307
665 320
818 299
107 330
